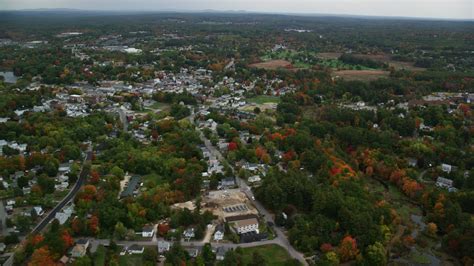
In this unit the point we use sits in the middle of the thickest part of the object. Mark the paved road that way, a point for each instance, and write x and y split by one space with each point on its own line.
186 244
123 118
281 239
51 215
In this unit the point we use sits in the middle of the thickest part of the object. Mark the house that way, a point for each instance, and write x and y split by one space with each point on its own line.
136 249
226 183
64 260
447 168
62 217
64 168
219 233
163 246
148 231
244 223
412 162
189 233
220 253
193 252
444 182
254 179
38 211
80 249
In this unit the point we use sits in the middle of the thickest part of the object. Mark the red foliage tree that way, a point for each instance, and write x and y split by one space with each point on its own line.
94 224
232 146
67 239
326 247
95 177
163 229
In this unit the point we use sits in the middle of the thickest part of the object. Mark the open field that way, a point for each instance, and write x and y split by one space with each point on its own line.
273 64
385 58
130 260
360 75
273 254
99 256
329 56
262 99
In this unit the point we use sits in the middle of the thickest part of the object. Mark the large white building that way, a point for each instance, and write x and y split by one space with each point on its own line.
244 223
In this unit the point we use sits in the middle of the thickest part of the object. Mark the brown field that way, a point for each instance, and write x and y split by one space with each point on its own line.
273 64
360 75
328 56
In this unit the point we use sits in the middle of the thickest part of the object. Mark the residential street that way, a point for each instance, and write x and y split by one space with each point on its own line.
70 196
281 239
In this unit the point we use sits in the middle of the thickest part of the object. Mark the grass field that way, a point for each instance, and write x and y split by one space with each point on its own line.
99 256
262 99
360 75
273 254
130 260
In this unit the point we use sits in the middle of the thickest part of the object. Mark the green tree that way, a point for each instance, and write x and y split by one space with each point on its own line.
376 255
207 254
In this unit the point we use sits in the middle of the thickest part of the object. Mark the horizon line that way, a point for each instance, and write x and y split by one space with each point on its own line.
306 14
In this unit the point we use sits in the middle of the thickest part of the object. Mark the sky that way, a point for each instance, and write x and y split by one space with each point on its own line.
454 9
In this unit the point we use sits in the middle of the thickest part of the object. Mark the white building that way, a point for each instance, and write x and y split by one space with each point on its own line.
244 223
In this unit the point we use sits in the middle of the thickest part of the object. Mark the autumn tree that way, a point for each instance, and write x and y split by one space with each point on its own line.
41 257
348 249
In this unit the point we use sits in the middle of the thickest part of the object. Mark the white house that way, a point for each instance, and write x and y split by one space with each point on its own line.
148 231
189 233
163 246
444 182
38 210
219 233
447 168
254 179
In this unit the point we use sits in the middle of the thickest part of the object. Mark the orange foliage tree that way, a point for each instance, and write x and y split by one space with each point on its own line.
41 257
348 248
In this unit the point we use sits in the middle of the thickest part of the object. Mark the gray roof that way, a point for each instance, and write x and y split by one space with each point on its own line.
132 185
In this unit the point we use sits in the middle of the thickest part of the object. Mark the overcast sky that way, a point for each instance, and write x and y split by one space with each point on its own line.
458 9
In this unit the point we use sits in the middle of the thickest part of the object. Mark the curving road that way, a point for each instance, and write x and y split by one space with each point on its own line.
281 238
72 193
51 215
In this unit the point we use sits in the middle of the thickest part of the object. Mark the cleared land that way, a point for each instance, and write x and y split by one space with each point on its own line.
385 58
273 64
329 56
273 254
360 75
262 99
216 201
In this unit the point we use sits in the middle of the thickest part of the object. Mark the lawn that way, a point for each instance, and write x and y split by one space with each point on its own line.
158 105
262 99
153 177
99 256
273 254
130 260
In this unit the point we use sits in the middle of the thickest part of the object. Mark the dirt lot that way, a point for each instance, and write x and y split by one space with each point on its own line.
361 75
273 64
216 201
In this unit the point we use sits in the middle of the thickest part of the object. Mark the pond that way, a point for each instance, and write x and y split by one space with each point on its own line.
9 76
